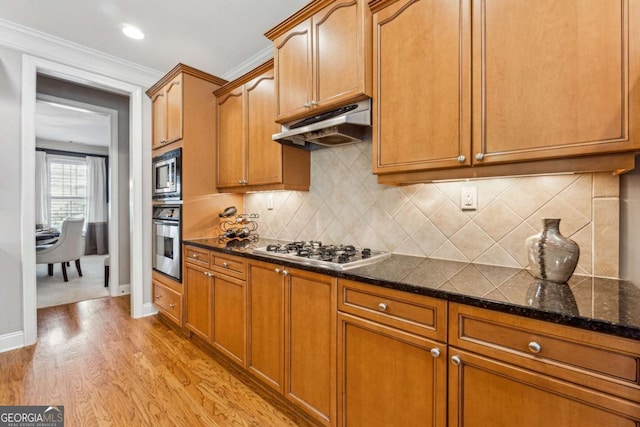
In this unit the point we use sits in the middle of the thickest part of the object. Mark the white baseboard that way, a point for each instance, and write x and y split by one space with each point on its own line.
124 290
11 341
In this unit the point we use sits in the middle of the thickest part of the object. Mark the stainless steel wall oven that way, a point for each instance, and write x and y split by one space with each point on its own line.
167 239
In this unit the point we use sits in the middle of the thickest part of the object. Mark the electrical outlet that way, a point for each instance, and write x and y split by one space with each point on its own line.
270 202
468 198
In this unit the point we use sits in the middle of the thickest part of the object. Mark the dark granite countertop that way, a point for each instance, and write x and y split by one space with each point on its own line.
600 304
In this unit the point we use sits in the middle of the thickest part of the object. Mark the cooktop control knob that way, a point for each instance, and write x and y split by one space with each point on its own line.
366 253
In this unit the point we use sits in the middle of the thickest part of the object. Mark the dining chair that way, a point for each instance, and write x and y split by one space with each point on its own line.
69 247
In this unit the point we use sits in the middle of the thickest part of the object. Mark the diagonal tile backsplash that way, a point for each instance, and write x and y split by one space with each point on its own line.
346 205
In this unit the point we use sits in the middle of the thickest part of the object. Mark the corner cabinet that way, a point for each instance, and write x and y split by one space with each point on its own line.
248 159
492 88
292 330
322 58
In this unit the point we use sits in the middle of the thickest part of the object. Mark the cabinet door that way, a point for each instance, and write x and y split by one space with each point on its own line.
388 377
292 54
229 325
485 392
339 61
310 364
159 119
265 355
264 156
231 146
198 285
551 78
173 96
421 63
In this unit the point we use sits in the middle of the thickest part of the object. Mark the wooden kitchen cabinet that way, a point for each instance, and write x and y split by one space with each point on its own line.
248 158
292 330
198 285
504 88
265 326
322 58
166 107
421 108
389 372
215 297
511 370
168 297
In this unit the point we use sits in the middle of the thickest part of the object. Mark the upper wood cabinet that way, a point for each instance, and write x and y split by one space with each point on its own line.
167 113
322 58
248 159
509 88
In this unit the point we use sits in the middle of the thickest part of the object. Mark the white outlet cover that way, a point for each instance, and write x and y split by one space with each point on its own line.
469 198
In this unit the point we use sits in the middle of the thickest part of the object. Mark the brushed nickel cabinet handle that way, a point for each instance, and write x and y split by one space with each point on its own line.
382 306
456 360
435 352
479 157
461 159
534 347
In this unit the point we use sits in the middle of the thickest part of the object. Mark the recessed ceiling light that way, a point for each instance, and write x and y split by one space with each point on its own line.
132 32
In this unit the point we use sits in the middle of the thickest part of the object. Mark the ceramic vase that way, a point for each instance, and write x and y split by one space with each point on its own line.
552 256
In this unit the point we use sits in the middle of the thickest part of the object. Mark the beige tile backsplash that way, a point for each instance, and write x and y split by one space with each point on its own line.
346 205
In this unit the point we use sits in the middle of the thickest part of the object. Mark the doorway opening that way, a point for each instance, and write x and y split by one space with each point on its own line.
78 175
31 67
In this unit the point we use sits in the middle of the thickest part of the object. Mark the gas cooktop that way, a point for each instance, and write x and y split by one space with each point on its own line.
335 257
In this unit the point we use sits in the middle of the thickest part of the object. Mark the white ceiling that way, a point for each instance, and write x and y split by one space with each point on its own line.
56 122
215 36
212 35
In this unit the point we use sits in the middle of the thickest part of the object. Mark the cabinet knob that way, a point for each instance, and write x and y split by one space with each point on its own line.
479 157
314 103
158 296
461 159
456 360
435 352
208 274
164 141
534 347
307 105
277 270
285 272
194 256
172 305
382 306
225 264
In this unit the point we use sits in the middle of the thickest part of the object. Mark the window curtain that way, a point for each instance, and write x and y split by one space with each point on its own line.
42 191
97 234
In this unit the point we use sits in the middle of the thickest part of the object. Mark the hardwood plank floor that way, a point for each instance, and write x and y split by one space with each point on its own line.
108 369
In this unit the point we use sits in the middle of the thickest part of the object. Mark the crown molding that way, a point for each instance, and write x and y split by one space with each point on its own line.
46 46
254 61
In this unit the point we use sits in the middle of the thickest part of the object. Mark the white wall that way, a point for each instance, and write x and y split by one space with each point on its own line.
10 224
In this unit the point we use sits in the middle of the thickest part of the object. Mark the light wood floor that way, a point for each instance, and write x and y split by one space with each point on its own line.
108 369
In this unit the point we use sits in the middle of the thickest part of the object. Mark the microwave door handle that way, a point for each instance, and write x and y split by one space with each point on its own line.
172 169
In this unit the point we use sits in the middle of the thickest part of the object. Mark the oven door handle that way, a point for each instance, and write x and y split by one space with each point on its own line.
166 222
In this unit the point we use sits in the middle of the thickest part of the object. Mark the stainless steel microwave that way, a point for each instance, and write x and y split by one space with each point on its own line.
166 175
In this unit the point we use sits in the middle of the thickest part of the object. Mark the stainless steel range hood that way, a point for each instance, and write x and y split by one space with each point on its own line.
346 125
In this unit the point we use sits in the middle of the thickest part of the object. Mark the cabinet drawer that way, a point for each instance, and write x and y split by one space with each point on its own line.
168 301
604 362
197 256
229 265
409 312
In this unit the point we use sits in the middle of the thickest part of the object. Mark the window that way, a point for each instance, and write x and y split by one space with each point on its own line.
68 188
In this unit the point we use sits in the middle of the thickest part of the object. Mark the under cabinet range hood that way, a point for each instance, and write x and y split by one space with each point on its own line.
345 125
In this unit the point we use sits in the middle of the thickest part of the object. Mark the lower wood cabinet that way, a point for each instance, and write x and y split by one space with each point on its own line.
215 294
291 335
512 370
486 392
388 377
168 300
